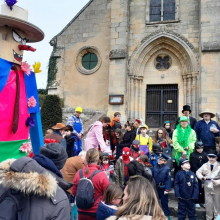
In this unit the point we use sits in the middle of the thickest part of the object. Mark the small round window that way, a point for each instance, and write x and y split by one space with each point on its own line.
89 61
163 62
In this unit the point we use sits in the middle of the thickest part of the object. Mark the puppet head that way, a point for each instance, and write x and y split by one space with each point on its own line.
15 32
126 152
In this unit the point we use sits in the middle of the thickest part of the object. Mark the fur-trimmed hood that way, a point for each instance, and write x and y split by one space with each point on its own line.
27 176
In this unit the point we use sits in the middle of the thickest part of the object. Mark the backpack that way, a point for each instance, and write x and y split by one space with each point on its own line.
13 205
85 191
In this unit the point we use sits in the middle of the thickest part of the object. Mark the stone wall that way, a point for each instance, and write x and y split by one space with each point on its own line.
89 28
210 55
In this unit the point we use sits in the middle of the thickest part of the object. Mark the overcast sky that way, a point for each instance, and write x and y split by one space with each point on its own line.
51 16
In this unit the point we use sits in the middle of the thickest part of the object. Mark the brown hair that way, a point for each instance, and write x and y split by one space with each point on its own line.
92 156
141 201
121 134
106 119
116 114
131 124
144 158
112 192
165 136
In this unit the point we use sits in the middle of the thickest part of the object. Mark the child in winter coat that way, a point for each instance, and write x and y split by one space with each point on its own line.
107 167
197 159
111 199
115 122
70 140
119 140
121 167
145 141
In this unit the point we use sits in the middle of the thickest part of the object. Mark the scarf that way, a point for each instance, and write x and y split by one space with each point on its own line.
182 139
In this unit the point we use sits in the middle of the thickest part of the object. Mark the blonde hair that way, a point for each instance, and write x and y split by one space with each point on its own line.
92 156
141 201
112 192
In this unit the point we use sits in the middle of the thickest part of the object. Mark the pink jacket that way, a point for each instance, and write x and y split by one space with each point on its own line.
95 137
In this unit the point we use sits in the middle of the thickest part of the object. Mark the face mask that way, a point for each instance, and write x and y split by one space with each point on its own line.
126 153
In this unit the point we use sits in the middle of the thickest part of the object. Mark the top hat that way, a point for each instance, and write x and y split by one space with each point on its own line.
207 111
186 108
18 18
60 126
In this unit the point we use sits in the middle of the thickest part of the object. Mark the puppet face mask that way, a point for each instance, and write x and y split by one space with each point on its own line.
12 44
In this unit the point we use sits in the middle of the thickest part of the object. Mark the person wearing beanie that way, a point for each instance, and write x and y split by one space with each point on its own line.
197 159
56 153
108 167
71 149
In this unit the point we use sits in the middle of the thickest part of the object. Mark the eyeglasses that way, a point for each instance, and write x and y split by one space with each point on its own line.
160 133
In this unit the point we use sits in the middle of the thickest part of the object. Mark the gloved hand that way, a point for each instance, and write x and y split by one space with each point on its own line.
111 172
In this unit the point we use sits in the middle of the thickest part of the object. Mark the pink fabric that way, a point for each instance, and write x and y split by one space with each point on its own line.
95 137
7 103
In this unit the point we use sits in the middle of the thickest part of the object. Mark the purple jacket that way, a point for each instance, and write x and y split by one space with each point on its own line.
95 137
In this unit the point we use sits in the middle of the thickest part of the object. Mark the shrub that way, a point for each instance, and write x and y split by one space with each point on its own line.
51 111
41 99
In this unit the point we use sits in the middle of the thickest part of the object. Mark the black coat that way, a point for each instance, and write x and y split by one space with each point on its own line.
128 138
197 160
192 122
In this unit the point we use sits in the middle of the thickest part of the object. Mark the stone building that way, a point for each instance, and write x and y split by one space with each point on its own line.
143 58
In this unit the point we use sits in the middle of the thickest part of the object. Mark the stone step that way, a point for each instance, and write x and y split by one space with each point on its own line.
173 206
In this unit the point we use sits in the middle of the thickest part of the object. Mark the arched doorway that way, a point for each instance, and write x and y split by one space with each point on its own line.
183 71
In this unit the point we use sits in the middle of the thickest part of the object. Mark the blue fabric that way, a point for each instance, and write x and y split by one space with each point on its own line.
153 162
164 201
182 189
74 213
203 132
31 90
77 146
5 67
103 211
47 164
186 206
36 133
162 174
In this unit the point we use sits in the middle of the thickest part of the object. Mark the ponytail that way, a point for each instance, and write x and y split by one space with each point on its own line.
92 156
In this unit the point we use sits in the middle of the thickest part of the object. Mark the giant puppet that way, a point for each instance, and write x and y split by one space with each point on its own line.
19 104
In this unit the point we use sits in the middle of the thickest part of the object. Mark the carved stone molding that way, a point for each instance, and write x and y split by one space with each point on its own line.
211 46
83 51
164 30
168 40
117 54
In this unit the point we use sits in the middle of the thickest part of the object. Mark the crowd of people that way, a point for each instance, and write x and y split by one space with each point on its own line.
122 172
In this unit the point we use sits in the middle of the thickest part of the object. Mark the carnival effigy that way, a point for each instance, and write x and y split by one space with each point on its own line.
19 104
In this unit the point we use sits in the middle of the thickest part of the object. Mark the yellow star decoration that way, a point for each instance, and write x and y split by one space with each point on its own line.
36 67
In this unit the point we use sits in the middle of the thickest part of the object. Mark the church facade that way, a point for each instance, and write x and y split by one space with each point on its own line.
143 58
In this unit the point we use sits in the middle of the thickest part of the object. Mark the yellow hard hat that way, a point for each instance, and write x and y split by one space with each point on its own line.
143 126
79 109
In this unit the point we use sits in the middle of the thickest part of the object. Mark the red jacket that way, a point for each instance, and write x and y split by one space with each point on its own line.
100 182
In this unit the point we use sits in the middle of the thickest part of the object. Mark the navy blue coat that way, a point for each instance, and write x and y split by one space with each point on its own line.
104 211
182 189
162 174
203 132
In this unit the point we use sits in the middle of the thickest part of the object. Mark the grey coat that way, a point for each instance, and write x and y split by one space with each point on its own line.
47 199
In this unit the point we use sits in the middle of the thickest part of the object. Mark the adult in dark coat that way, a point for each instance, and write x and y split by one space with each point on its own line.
206 130
186 112
43 188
